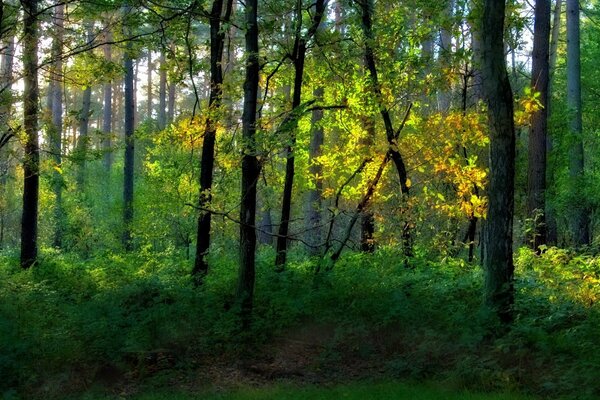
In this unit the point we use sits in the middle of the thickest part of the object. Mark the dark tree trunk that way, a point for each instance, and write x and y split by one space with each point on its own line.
162 92
314 212
391 135
250 169
217 43
580 219
298 56
107 112
29 221
551 226
498 261
129 148
540 75
367 218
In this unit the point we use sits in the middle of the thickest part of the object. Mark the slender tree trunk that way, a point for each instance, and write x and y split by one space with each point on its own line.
445 95
367 218
29 221
162 92
107 117
314 212
250 169
298 56
56 109
391 135
6 102
128 168
551 226
580 218
84 123
540 75
217 43
149 85
498 261
172 97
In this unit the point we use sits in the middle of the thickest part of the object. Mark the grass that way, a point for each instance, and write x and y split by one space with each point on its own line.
358 391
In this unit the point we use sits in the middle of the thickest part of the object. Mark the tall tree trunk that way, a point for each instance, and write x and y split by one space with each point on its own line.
107 116
31 162
391 135
580 218
129 146
498 261
217 43
84 121
314 212
250 169
445 95
298 57
149 85
55 102
6 102
540 75
551 225
162 92
367 218
172 97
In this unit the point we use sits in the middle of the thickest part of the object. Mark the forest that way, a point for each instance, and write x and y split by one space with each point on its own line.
299 199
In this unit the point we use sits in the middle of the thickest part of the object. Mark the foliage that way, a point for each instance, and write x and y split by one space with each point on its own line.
69 315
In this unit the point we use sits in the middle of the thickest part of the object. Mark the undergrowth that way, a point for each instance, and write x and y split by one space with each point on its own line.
67 321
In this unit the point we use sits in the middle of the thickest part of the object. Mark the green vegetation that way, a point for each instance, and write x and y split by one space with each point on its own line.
299 198
114 320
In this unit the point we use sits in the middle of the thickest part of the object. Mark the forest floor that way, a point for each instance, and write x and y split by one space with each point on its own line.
117 326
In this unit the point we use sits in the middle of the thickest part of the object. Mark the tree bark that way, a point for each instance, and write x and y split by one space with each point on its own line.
107 115
217 44
29 220
149 86
498 261
250 169
551 225
314 212
540 75
55 129
6 106
128 169
162 92
580 219
298 57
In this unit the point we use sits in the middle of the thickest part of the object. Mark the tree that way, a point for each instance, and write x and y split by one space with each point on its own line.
540 76
250 167
392 135
580 219
498 261
217 44
84 118
31 161
129 144
107 108
298 57
55 103
162 92
6 104
550 217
